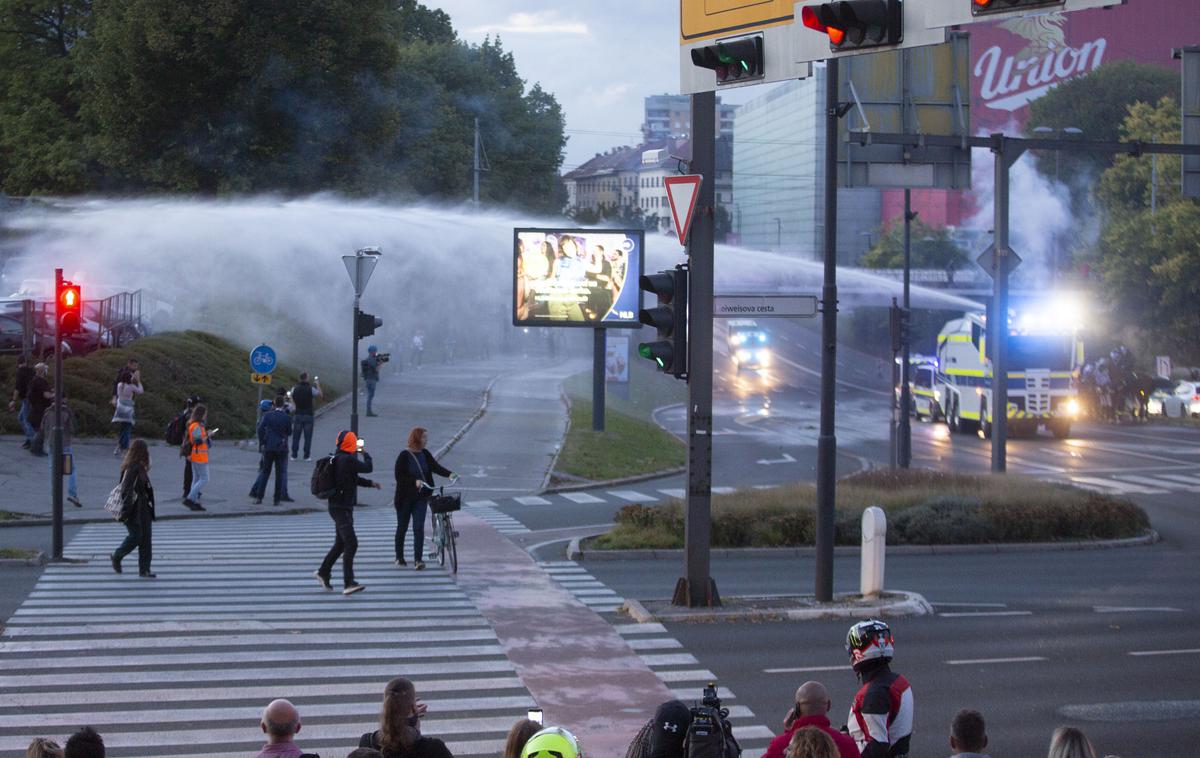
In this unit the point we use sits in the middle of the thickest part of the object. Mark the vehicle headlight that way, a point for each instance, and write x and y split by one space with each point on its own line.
937 395
737 339
764 357
743 356
1072 407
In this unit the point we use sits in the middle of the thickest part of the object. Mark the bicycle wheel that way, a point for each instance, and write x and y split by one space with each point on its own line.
439 537
451 545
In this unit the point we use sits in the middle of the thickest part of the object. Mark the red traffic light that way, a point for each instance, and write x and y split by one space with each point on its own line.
811 17
70 308
857 24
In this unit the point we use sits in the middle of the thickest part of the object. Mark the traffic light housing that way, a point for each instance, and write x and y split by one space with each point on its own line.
733 61
669 317
365 324
988 7
857 24
70 308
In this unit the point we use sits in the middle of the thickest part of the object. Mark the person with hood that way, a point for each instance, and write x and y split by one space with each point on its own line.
346 469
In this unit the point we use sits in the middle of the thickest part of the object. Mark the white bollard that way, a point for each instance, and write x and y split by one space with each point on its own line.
874 544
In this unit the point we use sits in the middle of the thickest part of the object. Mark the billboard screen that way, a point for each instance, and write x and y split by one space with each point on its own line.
577 277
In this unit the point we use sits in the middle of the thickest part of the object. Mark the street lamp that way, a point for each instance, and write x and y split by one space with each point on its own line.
360 266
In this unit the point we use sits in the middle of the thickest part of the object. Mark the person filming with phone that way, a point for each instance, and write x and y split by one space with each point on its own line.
415 467
346 470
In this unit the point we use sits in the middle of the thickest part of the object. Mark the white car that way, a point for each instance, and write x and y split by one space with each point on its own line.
1183 399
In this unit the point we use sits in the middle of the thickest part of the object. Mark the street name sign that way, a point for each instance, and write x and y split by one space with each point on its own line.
682 193
765 306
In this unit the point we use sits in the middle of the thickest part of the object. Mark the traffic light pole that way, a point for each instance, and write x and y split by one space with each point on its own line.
598 355
827 440
997 327
354 369
696 587
56 447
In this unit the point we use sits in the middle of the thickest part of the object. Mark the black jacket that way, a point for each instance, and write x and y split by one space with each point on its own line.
346 470
137 494
424 747
408 471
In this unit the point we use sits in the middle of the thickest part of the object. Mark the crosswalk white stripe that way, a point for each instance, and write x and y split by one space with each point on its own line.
582 498
74 617
686 675
482 503
233 625
244 640
654 643
669 659
675 492
532 500
650 628
1116 486
584 592
1154 482
1182 478
633 496
723 490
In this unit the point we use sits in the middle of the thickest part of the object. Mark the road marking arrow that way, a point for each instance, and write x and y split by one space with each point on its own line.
771 462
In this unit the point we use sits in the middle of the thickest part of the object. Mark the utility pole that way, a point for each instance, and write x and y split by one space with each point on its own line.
477 168
997 327
56 463
360 266
904 443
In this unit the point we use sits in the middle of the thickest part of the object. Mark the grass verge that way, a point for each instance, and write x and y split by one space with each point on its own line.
174 365
923 508
628 446
12 516
19 553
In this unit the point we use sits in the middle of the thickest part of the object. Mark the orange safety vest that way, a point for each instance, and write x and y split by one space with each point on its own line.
199 449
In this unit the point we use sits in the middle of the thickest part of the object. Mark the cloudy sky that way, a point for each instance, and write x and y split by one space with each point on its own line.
598 57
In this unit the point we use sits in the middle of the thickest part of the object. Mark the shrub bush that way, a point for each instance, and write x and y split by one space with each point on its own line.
942 521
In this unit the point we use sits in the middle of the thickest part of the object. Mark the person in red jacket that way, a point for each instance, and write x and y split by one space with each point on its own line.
812 703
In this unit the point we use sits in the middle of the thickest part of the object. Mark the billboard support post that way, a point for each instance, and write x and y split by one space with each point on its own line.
827 440
696 587
599 355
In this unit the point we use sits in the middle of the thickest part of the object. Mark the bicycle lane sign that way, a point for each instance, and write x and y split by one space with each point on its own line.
262 360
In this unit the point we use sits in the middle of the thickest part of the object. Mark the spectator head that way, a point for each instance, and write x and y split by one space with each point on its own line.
811 742
280 399
139 453
347 442
398 717
1069 742
42 747
671 722
40 369
417 437
265 405
552 742
200 413
193 401
86 743
967 732
371 350
812 699
132 364
365 752
280 721
304 376
518 735
867 642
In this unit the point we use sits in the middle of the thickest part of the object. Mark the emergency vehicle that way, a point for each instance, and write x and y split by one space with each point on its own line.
923 391
1044 354
747 344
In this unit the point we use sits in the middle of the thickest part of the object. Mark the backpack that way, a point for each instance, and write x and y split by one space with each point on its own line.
175 429
323 482
710 735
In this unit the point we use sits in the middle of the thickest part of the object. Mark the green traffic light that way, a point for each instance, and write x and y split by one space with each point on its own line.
644 351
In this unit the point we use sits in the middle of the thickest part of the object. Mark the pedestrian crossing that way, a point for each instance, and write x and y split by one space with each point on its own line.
1145 483
617 497
679 670
182 665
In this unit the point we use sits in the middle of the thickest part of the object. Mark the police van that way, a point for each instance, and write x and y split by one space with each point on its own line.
747 344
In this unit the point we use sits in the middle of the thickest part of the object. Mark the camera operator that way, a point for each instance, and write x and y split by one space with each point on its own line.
370 374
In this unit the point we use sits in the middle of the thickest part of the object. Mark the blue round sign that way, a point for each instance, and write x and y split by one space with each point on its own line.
262 359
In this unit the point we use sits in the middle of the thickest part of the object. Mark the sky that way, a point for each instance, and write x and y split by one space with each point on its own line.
600 58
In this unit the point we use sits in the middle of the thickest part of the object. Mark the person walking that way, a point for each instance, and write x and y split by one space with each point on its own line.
370 375
185 418
128 385
346 470
40 396
196 443
274 431
137 508
20 399
415 467
399 733
304 397
68 430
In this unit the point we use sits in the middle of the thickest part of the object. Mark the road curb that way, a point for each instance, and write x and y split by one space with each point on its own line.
614 482
901 603
575 551
38 559
462 432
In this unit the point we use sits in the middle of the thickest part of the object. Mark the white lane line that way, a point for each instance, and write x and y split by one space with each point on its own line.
1131 609
723 490
1156 482
969 605
633 496
1116 486
977 661
582 498
976 614
1188 651
532 500
674 492
482 503
806 669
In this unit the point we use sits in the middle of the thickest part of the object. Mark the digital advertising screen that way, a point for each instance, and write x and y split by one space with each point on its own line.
577 277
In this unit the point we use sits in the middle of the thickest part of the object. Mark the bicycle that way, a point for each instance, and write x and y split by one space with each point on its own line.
445 536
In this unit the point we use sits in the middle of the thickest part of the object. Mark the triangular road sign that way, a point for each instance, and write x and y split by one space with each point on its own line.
682 193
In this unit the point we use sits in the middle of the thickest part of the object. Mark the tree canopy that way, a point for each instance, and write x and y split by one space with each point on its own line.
293 96
931 247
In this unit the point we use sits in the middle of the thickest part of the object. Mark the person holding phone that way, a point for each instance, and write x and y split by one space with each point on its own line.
521 731
196 442
399 733
347 468
415 467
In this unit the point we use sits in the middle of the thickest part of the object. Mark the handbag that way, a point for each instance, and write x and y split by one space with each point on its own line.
115 504
124 413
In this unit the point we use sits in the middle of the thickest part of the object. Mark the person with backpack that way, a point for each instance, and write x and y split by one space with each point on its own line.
415 467
196 442
176 430
337 478
274 431
881 717
137 508
304 396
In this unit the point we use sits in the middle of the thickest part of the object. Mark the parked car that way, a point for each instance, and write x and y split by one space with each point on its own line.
1183 398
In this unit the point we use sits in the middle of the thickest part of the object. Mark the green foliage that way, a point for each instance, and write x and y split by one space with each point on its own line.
1126 187
628 446
369 97
930 248
1096 103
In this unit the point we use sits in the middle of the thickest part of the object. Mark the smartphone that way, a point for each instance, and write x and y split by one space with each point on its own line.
535 714
214 430
361 444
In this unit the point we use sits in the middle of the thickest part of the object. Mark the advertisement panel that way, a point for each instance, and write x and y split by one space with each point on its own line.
616 359
577 277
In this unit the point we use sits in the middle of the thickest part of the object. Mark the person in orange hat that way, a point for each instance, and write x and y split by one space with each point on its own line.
347 466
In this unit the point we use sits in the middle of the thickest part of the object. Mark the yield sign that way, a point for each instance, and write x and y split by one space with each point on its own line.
682 192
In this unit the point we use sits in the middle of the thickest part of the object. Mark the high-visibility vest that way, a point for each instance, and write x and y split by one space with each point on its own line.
199 448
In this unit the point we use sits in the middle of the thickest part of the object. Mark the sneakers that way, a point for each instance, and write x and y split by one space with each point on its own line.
258 501
116 563
307 458
324 580
293 456
192 505
418 565
74 501
26 444
285 499
352 588
400 562
147 575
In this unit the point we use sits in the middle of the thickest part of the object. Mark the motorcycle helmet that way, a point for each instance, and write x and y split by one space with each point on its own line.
868 641
552 742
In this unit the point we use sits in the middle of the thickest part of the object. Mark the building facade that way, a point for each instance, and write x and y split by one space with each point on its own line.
670 116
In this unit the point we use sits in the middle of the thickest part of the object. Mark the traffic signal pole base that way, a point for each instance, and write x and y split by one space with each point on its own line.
685 597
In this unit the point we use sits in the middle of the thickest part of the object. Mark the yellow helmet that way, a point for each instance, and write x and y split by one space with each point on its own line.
552 742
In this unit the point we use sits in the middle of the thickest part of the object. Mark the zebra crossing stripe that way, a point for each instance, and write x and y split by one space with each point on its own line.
633 496
532 500
582 498
1113 485
675 492
1154 482
1182 478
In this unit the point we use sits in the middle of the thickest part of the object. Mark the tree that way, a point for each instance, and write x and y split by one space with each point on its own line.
930 248
1127 186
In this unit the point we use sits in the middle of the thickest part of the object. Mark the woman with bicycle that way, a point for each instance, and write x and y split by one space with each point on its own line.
415 467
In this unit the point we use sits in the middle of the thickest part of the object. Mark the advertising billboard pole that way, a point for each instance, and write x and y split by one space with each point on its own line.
599 356
696 587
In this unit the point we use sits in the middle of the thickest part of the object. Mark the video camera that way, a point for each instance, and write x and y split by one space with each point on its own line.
383 357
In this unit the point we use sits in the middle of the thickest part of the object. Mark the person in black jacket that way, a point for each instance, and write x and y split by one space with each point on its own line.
346 470
415 467
399 733
274 432
137 512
